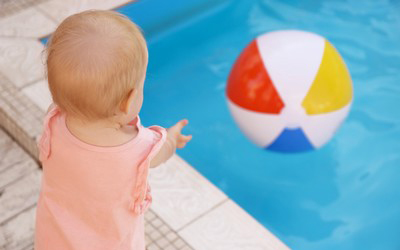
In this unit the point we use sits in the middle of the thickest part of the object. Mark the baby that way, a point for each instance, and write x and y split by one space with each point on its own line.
94 151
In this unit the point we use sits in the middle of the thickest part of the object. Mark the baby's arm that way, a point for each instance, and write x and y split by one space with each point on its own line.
174 140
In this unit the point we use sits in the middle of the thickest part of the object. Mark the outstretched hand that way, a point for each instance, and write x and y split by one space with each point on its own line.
175 134
175 139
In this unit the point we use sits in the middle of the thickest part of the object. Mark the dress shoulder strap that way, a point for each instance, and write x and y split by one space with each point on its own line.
45 138
141 191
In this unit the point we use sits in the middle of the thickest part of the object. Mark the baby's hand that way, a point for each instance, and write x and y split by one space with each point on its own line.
174 133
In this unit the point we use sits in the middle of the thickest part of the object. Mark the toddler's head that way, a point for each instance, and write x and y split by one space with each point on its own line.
96 66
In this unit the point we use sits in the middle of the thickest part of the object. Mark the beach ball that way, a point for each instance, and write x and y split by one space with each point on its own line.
289 91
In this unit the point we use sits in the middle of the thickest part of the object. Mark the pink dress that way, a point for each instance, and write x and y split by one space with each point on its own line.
93 197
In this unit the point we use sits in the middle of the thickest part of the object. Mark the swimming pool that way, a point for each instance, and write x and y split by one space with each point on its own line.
344 196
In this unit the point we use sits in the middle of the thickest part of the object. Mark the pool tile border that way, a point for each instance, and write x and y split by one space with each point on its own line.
239 230
58 10
181 194
183 198
11 7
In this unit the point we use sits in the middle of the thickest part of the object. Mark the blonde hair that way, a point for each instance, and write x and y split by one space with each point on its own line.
94 59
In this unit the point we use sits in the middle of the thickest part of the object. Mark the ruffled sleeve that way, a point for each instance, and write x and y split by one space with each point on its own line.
141 196
45 139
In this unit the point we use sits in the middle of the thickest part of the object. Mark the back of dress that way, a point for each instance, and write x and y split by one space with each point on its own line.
93 197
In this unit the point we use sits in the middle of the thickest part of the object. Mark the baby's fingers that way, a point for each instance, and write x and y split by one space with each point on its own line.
181 144
183 139
182 123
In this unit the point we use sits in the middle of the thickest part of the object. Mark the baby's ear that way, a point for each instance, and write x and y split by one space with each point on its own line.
128 102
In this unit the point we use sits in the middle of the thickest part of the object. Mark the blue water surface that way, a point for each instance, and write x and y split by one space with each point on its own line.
343 196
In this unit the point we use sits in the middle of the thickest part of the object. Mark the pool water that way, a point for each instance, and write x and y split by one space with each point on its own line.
343 196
